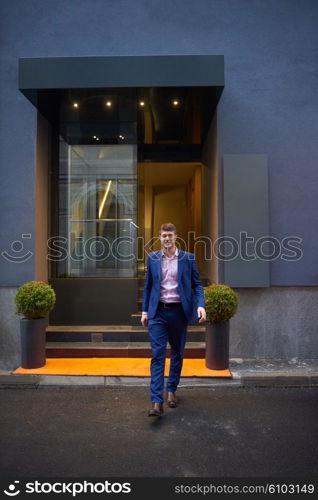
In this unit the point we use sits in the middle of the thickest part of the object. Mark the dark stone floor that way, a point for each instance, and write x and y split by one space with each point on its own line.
105 432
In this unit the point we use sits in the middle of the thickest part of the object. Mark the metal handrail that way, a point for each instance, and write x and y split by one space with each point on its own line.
97 220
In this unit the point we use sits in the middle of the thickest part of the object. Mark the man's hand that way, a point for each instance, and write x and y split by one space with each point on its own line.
144 319
201 314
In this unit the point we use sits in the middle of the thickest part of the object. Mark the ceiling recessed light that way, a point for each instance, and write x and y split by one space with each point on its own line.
108 103
175 103
75 105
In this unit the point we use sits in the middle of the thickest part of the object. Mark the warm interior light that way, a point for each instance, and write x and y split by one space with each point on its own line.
142 103
175 103
75 105
104 200
108 103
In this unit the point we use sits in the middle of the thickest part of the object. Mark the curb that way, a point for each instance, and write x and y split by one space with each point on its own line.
245 380
269 380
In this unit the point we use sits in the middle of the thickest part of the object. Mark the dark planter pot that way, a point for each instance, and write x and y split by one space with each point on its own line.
217 345
33 338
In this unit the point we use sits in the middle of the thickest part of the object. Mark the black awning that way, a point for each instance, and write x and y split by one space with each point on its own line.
121 71
48 82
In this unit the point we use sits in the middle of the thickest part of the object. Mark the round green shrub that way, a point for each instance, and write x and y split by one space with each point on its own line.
221 303
35 299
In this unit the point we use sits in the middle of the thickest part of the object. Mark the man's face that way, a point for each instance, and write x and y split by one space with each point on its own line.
168 238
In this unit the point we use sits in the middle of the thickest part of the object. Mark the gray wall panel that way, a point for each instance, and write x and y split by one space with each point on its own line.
245 198
275 322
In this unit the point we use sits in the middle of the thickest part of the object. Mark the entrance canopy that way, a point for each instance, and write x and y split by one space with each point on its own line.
179 95
120 71
44 81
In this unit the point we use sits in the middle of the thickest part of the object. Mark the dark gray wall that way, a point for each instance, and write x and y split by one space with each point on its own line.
269 104
89 301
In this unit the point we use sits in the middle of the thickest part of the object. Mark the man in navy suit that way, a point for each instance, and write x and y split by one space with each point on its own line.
173 296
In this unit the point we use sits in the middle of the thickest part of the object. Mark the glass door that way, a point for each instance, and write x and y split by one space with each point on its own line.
98 209
97 206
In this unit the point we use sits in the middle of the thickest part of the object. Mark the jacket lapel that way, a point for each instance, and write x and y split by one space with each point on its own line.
180 264
158 264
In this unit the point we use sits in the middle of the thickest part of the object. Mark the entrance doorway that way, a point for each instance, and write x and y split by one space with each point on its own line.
169 192
127 160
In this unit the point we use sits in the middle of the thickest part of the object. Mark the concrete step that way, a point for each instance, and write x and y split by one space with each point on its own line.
114 350
110 333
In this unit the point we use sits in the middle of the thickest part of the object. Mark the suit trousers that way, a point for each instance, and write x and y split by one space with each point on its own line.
168 325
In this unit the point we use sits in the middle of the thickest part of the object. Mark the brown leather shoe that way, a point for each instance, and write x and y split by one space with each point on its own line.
156 410
172 400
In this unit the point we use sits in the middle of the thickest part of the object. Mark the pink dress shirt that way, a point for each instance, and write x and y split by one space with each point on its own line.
169 278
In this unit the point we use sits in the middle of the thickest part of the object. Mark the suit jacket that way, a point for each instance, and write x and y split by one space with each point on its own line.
190 288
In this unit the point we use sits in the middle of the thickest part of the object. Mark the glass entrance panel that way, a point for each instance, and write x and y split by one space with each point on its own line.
98 209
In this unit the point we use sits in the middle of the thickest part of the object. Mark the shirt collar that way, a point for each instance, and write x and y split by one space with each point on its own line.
175 254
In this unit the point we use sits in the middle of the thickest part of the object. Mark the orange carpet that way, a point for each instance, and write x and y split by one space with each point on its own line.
126 367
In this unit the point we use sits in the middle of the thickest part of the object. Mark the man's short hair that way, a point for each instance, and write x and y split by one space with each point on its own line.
168 226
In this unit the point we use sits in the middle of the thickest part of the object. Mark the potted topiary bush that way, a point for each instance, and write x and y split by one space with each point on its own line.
221 304
34 300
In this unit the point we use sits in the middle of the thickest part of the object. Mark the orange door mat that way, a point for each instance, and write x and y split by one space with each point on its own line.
126 367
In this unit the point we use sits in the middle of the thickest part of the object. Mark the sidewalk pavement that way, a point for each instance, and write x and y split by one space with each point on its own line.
245 372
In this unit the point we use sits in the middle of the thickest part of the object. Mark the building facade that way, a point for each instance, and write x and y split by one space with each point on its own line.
118 116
